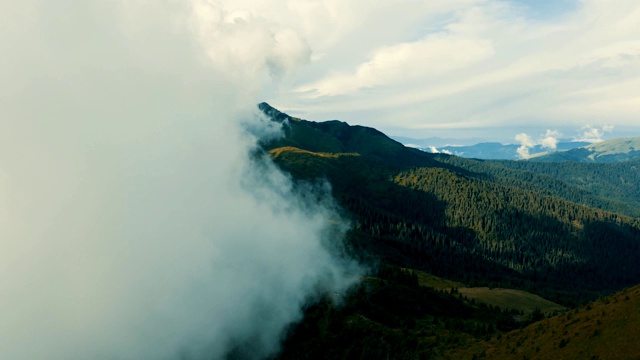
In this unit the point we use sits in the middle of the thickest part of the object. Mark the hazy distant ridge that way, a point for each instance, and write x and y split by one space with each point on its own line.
614 150
476 149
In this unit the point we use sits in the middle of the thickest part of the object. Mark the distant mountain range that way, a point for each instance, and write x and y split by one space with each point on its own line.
614 150
438 142
497 151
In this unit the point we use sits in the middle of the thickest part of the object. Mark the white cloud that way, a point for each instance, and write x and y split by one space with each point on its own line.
594 134
493 66
134 222
232 37
526 142
433 56
550 139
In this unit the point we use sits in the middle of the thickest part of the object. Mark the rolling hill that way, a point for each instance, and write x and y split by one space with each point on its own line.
604 329
615 150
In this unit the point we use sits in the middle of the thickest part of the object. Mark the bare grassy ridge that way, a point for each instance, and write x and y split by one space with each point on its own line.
605 329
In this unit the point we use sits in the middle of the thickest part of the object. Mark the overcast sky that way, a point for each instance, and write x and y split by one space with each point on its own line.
463 68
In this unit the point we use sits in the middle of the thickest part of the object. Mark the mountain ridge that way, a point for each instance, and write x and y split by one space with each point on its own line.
608 151
338 136
408 204
481 225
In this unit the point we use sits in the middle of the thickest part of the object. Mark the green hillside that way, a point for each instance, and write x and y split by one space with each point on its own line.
479 222
537 236
609 186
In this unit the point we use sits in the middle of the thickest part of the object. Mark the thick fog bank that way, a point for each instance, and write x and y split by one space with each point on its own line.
134 223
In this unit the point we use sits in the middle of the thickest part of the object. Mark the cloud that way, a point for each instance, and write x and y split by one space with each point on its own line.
594 134
438 54
135 224
426 67
264 44
550 139
526 142
547 141
434 150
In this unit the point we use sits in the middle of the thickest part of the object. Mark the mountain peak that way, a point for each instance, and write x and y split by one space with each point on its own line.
272 112
335 136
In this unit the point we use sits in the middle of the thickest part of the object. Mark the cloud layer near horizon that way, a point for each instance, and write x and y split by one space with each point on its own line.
445 66
134 224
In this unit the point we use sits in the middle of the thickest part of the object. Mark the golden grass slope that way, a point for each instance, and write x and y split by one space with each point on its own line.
290 149
606 329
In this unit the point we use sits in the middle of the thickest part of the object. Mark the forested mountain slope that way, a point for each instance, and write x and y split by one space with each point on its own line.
618 183
459 218
480 225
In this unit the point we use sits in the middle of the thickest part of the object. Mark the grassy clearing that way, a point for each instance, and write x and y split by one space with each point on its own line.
435 282
511 299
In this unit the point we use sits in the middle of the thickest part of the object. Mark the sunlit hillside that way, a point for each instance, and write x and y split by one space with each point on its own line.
604 329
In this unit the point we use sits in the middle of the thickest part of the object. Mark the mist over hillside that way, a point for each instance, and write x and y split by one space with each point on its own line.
136 221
